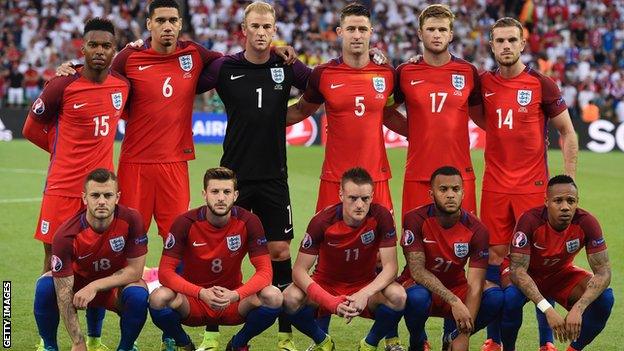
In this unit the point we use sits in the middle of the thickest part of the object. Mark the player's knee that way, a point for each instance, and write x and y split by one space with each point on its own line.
134 297
45 293
161 298
271 297
396 296
418 299
604 302
513 300
293 298
279 250
493 299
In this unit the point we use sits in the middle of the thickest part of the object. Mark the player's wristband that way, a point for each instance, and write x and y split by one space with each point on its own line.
326 300
543 305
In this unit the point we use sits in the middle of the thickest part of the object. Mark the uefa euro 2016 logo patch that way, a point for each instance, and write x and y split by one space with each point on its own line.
117 244
38 107
277 74
379 83
367 237
519 240
458 81
408 237
524 97
170 241
186 62
306 243
461 249
233 242
56 263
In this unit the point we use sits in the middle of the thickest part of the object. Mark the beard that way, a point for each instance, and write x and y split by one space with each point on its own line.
437 51
508 63
219 214
443 209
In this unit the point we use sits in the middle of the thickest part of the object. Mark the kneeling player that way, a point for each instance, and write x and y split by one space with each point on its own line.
346 238
97 261
212 241
546 240
437 241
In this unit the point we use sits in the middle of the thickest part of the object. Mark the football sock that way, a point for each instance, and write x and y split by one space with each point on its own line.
416 314
594 319
491 304
385 319
168 320
282 277
46 311
95 321
303 319
512 316
323 323
256 321
493 274
133 315
545 332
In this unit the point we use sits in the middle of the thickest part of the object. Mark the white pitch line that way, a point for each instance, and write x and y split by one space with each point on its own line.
23 170
16 201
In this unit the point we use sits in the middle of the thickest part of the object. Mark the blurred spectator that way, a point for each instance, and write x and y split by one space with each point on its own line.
31 84
15 93
591 112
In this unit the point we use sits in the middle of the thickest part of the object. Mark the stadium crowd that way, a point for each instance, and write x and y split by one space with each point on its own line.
580 44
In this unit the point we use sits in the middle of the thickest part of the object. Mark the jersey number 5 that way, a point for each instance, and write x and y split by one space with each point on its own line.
360 108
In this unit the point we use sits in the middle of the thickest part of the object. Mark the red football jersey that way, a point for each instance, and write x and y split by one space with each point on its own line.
446 249
159 125
346 255
213 256
354 103
517 112
551 250
85 116
437 101
80 251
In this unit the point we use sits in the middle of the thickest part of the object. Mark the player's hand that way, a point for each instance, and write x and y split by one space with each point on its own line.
415 59
135 44
210 298
82 346
226 294
573 321
359 301
378 56
287 53
557 323
462 317
346 311
84 296
461 342
65 69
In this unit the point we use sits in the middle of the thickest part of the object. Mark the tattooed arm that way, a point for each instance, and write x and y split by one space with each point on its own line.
600 265
521 278
461 314
64 296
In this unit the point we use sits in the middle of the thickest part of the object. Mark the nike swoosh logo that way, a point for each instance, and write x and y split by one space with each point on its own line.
143 68
538 247
414 82
427 241
196 244
489 94
85 256
334 86
286 231
282 286
79 105
233 77
332 244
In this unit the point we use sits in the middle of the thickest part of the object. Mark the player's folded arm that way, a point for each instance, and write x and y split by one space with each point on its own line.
170 279
421 275
64 287
476 280
124 276
260 279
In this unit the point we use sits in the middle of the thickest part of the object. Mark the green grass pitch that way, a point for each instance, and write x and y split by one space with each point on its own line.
22 173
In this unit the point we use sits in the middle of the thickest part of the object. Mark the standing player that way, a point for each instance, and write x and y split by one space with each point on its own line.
344 240
355 91
437 241
254 86
518 103
439 89
97 260
212 241
543 248
81 112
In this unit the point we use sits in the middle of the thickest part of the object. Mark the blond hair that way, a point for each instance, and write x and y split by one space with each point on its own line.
260 7
436 11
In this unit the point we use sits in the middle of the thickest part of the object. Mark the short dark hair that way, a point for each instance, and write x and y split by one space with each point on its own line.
98 23
357 175
162 3
444 170
561 179
506 22
220 173
354 9
100 175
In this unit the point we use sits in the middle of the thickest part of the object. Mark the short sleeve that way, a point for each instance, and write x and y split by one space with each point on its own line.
137 238
313 93
62 253
175 242
523 234
552 101
399 96
594 239
47 107
412 232
301 75
385 227
256 240
475 97
313 237
207 56
209 76
119 62
480 246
